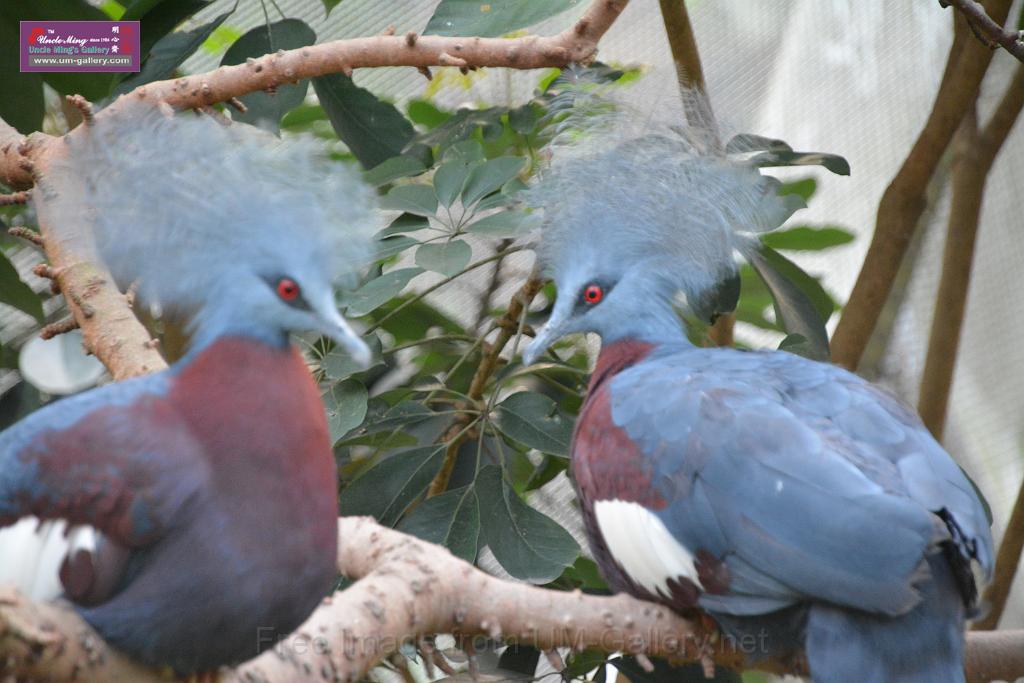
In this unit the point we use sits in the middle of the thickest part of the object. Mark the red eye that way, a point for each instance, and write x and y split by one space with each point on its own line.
287 289
593 294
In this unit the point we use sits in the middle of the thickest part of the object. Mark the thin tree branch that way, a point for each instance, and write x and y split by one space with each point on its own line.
493 282
507 328
994 134
974 154
903 201
408 589
993 34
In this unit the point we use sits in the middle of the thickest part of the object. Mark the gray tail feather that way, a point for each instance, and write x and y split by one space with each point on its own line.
923 646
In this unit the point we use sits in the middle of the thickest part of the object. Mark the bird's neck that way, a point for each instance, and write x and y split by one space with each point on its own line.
210 326
656 322
616 357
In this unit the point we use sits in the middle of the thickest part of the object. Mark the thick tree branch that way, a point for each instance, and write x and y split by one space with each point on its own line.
109 328
994 656
974 154
903 202
988 30
577 44
407 589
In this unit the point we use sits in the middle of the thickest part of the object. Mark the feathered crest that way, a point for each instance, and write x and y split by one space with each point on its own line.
622 190
180 203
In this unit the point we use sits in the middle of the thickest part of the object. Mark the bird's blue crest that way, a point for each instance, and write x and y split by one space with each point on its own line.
181 203
622 191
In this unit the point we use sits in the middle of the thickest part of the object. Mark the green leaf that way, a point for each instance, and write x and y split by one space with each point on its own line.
345 403
489 177
579 664
447 258
329 5
8 357
804 188
394 168
391 439
798 344
379 290
387 489
563 82
386 426
451 519
405 223
159 17
390 246
401 414
466 151
22 102
450 177
529 545
416 320
338 364
14 292
112 8
524 119
372 129
476 18
303 115
807 238
267 109
414 198
507 224
549 468
832 162
461 125
585 574
168 54
534 420
17 402
426 114
755 300
801 306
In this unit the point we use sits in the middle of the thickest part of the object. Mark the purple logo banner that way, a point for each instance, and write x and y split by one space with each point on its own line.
80 46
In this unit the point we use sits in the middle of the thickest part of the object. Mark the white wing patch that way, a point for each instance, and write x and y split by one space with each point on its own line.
32 553
642 546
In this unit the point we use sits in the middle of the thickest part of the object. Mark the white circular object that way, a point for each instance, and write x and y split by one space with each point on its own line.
59 365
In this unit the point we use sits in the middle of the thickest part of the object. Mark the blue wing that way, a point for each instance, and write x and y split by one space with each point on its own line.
116 458
805 479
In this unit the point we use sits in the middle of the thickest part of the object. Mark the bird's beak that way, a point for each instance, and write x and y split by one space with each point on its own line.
552 331
337 328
